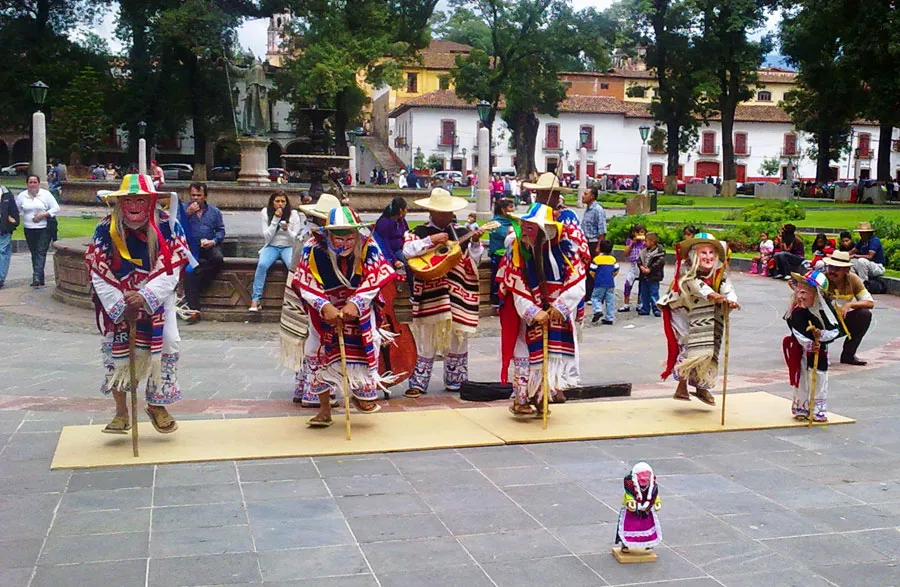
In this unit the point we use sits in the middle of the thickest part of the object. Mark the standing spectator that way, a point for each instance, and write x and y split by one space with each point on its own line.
54 179
110 173
280 226
496 188
868 256
652 263
207 232
603 271
9 220
389 231
593 224
515 186
473 185
401 179
789 257
157 174
497 242
633 247
37 207
412 181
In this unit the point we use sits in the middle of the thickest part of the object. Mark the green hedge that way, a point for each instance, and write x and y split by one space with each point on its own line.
620 198
768 211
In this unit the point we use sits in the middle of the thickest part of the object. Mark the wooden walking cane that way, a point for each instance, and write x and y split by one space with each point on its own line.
132 371
813 378
545 385
725 361
340 329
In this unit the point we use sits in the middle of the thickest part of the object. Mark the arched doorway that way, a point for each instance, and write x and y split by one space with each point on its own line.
21 151
4 155
297 148
273 154
227 153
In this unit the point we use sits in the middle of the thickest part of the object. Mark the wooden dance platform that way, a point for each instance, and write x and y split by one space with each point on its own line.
82 447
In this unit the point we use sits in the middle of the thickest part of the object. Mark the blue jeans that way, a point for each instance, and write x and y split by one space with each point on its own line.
267 258
649 295
607 295
5 254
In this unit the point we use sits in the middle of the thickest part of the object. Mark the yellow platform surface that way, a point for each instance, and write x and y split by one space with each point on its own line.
261 438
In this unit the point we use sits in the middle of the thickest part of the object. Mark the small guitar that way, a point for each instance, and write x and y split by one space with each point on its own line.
437 261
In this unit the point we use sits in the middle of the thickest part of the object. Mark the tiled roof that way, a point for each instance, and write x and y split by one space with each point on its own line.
593 105
442 54
442 46
436 99
769 75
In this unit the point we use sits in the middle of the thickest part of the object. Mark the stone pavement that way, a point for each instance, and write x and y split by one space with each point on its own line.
782 507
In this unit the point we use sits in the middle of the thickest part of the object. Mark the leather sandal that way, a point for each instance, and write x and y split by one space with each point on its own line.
519 410
118 425
162 421
413 392
360 406
704 396
685 397
319 422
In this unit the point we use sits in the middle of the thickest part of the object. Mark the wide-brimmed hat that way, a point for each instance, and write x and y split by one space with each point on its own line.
864 227
542 215
813 278
344 218
839 259
134 184
704 238
440 200
546 181
325 204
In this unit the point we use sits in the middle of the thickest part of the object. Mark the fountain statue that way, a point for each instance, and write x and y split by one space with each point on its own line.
315 165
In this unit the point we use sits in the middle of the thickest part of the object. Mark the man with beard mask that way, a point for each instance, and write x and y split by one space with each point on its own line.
693 316
135 260
541 287
338 277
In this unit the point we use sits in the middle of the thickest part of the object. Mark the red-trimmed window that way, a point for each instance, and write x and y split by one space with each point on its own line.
790 143
864 144
448 133
552 136
740 143
708 143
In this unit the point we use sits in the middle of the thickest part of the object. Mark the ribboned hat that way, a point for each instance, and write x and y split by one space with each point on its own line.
704 238
134 184
541 215
838 259
344 218
440 200
813 278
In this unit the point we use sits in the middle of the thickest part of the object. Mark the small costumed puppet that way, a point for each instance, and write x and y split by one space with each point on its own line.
813 323
338 278
541 286
135 260
638 526
694 316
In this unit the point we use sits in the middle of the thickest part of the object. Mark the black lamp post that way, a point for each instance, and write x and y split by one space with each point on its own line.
484 111
142 128
584 135
39 93
645 132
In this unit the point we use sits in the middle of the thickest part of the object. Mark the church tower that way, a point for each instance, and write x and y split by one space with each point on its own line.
275 50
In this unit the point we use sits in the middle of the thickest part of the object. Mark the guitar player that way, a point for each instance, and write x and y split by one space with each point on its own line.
445 309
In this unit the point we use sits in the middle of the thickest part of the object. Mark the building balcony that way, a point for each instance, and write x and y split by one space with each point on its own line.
400 143
745 152
448 141
789 153
709 152
859 154
553 145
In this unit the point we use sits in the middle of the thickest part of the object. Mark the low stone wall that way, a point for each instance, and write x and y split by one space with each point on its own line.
700 189
228 296
773 191
228 196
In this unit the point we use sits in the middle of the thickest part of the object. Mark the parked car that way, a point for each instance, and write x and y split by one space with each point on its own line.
178 171
749 188
661 185
454 177
223 173
20 168
276 172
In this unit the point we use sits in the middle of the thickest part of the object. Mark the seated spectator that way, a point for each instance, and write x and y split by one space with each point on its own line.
790 255
845 242
868 254
281 226
821 248
207 234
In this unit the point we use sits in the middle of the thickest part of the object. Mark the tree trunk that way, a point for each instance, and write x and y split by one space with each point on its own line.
823 157
198 118
885 134
526 144
672 152
729 173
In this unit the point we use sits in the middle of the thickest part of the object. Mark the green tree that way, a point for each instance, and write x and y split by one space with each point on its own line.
79 123
733 60
461 26
770 167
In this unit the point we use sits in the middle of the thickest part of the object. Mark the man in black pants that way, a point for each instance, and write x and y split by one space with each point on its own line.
854 301
208 232
9 220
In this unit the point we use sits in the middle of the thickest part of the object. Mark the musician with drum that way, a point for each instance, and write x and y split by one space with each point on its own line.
444 258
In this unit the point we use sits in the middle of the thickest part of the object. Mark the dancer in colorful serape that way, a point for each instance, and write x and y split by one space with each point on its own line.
135 260
338 277
638 525
444 310
541 286
813 323
693 316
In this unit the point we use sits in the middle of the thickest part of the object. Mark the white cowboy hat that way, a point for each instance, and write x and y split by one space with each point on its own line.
839 259
546 181
441 200
325 204
704 238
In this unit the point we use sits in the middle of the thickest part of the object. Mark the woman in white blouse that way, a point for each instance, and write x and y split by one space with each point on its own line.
37 205
281 225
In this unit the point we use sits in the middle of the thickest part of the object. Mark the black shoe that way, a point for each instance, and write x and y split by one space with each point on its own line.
595 319
852 361
1 285
607 322
657 314
643 313
35 283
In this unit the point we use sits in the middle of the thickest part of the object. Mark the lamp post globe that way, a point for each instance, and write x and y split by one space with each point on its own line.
39 93
645 132
584 134
483 108
142 128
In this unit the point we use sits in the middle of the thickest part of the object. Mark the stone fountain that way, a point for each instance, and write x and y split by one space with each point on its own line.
314 165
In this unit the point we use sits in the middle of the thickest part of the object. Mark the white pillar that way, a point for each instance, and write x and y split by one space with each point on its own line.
582 171
483 195
645 161
39 147
142 156
354 169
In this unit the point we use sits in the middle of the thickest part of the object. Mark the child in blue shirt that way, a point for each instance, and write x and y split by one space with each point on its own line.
603 270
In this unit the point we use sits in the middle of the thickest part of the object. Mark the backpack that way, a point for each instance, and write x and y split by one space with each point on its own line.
475 391
875 286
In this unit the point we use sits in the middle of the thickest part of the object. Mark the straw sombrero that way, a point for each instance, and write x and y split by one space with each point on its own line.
344 218
812 278
704 238
864 227
325 204
839 259
440 200
546 181
542 215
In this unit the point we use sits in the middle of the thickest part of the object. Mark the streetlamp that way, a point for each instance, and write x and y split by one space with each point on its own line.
353 139
142 147
465 164
645 158
483 194
584 135
39 133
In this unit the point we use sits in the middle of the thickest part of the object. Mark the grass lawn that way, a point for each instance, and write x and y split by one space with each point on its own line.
842 219
73 226
15 183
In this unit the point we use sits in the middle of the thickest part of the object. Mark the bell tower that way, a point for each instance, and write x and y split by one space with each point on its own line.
275 50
